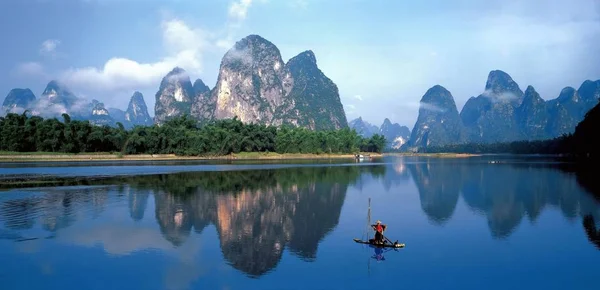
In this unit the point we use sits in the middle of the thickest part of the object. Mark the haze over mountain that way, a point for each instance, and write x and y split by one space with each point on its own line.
106 50
395 134
502 113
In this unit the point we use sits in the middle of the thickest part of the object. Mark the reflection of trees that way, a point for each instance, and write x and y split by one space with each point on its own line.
593 234
504 193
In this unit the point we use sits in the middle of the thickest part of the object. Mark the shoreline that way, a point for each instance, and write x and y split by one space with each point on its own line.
49 157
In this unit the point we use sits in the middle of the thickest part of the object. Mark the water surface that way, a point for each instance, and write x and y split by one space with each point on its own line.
482 223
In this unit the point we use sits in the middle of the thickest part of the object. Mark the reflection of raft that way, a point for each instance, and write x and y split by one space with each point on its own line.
386 245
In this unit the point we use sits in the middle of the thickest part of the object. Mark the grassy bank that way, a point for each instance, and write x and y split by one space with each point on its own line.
43 156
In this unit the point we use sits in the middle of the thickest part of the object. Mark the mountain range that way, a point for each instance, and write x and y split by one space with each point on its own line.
57 99
502 113
395 134
254 84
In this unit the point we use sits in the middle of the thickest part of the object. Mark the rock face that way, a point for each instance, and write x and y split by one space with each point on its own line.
253 82
491 116
256 86
438 123
174 97
532 116
137 111
363 128
17 101
100 115
395 134
203 106
314 97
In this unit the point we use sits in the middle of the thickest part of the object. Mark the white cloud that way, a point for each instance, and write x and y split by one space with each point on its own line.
184 44
30 69
49 46
299 4
358 97
238 10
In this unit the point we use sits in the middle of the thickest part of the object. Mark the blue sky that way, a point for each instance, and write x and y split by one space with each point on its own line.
383 55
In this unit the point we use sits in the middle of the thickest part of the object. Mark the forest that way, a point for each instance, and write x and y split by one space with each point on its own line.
180 136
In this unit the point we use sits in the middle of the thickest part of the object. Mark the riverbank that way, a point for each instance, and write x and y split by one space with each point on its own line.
42 156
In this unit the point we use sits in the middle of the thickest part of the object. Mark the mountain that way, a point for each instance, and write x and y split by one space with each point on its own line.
503 113
395 134
118 115
174 97
17 100
438 123
100 115
532 116
256 86
315 98
491 116
137 111
203 106
363 128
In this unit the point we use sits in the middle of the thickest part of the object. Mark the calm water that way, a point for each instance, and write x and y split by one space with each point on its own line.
466 223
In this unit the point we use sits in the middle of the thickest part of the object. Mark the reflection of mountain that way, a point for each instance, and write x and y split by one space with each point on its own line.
504 193
257 213
55 210
438 186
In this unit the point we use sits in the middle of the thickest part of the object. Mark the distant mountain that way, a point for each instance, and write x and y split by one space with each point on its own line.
395 134
502 113
137 111
491 116
17 100
100 115
57 99
363 128
438 123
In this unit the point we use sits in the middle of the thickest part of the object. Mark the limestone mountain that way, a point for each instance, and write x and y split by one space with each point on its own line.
100 115
570 107
532 116
174 97
255 85
314 97
491 116
137 111
58 99
438 122
502 113
363 128
203 106
17 101
252 83
395 134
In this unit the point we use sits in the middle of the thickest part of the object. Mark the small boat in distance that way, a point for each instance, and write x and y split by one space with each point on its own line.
362 157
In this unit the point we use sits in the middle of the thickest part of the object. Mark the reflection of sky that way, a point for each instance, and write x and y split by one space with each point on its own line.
112 251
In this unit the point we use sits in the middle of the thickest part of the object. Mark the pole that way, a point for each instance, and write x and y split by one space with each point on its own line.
369 219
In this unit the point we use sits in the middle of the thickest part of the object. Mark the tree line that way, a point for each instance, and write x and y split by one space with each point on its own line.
180 135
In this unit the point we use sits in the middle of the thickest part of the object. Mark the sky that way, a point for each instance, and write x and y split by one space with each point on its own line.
382 55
